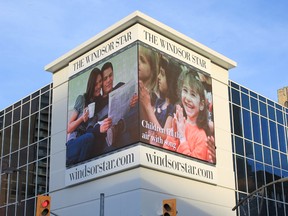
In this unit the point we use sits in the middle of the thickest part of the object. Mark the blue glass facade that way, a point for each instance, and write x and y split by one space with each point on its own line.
259 129
25 129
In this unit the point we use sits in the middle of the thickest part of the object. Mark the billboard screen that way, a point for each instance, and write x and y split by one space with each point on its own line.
140 94
102 107
176 107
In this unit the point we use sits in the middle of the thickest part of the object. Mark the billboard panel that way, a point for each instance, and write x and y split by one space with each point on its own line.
176 107
159 93
102 107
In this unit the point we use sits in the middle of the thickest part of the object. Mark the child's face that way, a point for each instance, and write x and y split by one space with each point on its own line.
162 81
191 102
144 68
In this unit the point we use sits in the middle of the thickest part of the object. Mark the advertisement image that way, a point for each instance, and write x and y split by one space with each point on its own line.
102 107
176 107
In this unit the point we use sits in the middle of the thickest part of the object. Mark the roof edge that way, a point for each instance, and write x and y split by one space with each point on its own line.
139 17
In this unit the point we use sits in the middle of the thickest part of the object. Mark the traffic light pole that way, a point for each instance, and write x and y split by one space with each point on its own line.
261 189
102 196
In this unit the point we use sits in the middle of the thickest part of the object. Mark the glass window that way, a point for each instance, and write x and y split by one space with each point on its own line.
35 105
269 178
25 109
267 156
237 120
284 162
44 100
235 97
271 207
241 174
1 122
258 152
245 101
8 118
253 94
254 105
271 112
250 175
31 180
33 128
265 132
32 153
15 137
273 135
281 137
24 132
259 167
6 143
249 149
261 98
23 157
247 124
279 115
275 157
239 146
16 114
256 128
263 109
234 85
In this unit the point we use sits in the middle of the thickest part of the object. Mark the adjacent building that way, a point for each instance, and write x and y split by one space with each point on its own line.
138 162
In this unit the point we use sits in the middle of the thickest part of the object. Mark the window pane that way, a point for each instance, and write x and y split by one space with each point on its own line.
267 156
254 105
263 110
271 111
258 152
245 101
249 149
237 120
256 128
235 96
24 132
273 135
239 146
279 116
241 173
247 124
265 132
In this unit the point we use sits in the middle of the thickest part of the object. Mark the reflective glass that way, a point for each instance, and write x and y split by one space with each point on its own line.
239 146
249 149
281 137
247 124
235 96
256 128
258 152
263 109
254 105
241 173
267 156
273 135
245 100
265 131
279 115
250 170
237 125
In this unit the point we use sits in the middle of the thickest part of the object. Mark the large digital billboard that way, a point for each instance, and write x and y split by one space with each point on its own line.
167 104
102 107
176 107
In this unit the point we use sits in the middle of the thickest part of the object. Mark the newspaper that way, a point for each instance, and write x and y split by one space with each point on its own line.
119 100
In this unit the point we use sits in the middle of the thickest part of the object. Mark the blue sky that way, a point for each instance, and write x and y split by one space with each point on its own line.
254 33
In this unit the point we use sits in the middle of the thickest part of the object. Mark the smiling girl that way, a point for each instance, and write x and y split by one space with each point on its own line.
192 130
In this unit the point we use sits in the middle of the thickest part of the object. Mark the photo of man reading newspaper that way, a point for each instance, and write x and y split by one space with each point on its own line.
102 118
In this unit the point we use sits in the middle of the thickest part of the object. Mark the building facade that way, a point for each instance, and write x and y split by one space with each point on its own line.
25 129
283 96
259 140
134 173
